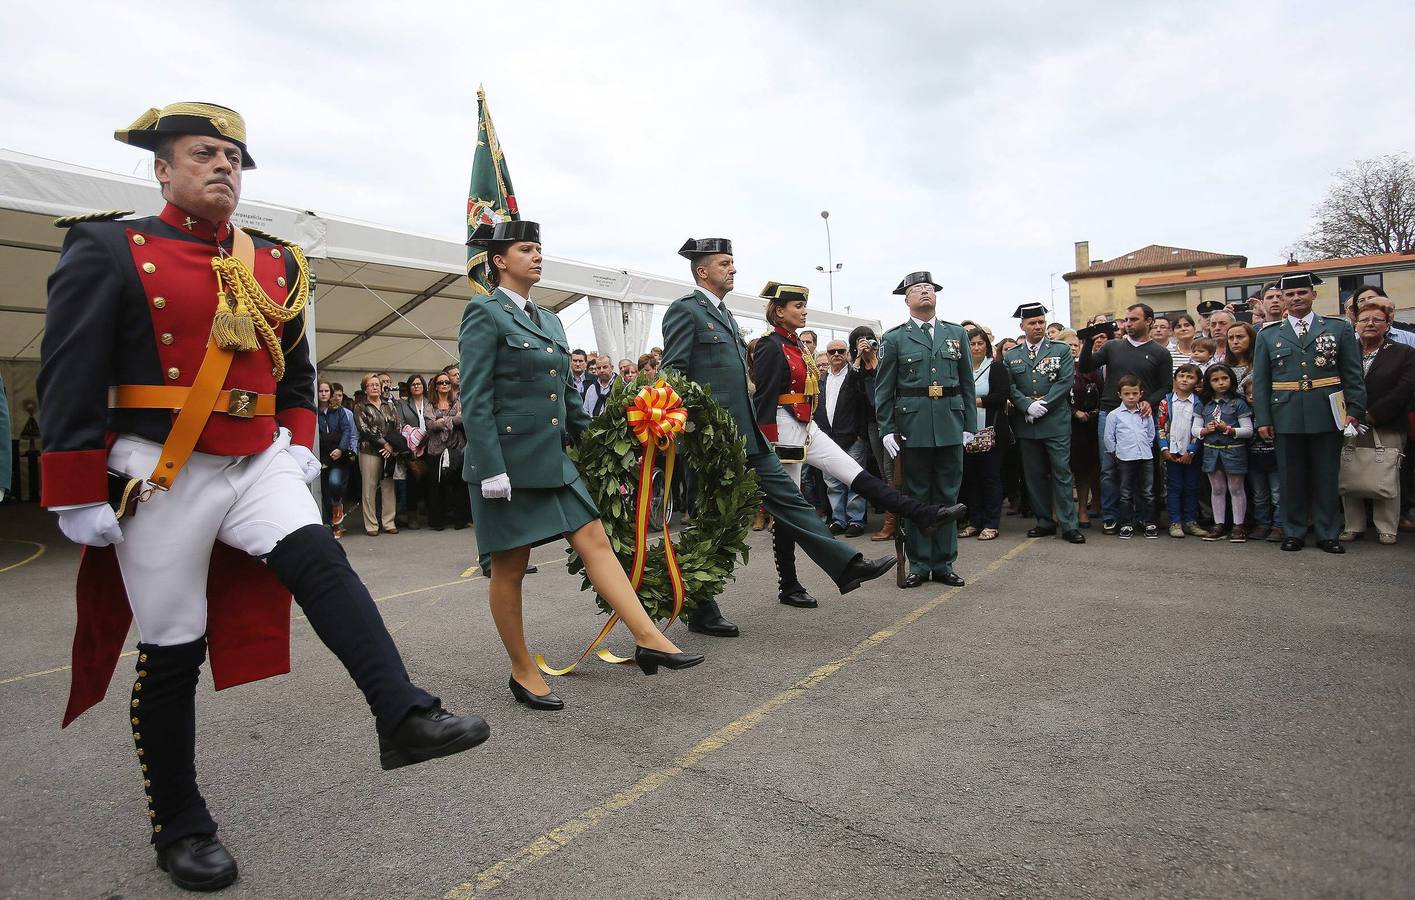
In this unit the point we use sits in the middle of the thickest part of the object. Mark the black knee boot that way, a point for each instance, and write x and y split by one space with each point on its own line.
162 713
412 725
927 516
164 719
791 592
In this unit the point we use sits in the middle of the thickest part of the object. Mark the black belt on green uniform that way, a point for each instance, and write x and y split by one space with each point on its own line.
932 391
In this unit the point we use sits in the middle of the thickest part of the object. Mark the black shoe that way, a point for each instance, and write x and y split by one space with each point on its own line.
197 862
1039 531
649 660
547 701
429 733
531 570
913 580
836 528
1331 546
1108 528
707 619
854 529
952 579
798 597
861 570
1074 536
1293 544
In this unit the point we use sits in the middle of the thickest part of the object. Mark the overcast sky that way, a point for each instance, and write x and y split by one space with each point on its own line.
976 142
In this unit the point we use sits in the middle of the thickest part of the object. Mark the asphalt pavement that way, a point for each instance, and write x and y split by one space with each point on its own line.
1121 719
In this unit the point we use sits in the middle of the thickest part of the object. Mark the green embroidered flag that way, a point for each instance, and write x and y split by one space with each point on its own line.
490 197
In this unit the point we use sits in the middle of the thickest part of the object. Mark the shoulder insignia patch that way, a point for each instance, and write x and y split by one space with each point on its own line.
107 216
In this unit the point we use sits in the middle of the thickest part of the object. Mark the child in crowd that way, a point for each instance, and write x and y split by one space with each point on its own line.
1201 352
1179 425
1228 424
1263 484
1129 434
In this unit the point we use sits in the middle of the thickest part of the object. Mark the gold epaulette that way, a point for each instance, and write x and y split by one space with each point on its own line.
107 216
256 232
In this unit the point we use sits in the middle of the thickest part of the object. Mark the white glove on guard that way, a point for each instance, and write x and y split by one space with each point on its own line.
497 487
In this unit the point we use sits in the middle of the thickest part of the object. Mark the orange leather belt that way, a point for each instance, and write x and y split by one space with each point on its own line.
1329 381
235 402
791 399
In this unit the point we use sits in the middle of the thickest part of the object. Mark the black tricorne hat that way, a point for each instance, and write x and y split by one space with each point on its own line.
504 233
188 118
1208 307
695 247
1300 280
914 278
777 292
1029 310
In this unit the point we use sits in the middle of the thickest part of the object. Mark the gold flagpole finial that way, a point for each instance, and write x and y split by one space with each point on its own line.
481 92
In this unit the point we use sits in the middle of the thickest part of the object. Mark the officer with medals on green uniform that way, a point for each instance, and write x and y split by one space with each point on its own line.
1298 366
923 391
1041 372
702 342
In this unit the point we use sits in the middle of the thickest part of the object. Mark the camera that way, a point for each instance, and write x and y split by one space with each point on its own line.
871 343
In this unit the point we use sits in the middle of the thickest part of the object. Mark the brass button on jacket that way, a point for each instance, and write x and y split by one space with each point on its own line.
174 373
166 337
139 240
159 302
149 268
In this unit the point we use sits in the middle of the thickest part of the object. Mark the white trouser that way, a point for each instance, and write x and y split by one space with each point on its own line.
822 452
249 503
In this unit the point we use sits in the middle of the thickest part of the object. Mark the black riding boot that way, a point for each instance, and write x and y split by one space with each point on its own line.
792 592
162 713
926 516
412 726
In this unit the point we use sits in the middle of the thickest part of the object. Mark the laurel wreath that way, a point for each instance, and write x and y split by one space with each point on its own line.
725 490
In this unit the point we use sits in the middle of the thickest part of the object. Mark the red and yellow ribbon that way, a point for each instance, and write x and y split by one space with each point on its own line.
656 416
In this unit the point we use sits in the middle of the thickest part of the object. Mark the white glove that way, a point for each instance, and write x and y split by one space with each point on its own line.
968 437
309 466
93 524
1354 430
1037 409
497 487
891 444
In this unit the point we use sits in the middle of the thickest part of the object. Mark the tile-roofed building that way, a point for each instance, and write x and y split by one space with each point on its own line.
1394 272
1108 286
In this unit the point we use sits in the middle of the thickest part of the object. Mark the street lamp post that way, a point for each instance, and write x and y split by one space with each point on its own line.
831 266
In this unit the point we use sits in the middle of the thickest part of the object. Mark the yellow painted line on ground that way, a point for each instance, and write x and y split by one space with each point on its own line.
57 669
561 835
39 551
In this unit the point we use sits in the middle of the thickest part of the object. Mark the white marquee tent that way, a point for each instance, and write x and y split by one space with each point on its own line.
385 300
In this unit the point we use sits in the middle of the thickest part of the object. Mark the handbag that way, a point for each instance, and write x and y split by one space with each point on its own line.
1372 471
984 439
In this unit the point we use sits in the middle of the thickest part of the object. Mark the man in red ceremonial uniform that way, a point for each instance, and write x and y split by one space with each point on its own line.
177 406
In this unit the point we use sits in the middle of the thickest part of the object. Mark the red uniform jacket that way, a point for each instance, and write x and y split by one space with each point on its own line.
131 302
778 368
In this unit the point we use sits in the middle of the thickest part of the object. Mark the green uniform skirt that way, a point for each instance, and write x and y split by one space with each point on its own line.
533 516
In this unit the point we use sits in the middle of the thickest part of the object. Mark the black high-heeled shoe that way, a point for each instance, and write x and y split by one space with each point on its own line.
546 701
649 660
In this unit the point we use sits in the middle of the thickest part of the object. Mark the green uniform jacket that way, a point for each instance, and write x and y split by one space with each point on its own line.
1329 348
705 345
519 409
1047 378
909 360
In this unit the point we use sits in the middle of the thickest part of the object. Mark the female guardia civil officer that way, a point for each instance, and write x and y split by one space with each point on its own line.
520 412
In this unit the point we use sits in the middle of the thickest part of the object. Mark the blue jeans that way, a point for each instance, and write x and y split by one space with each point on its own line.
1182 491
1110 480
332 487
1265 488
846 506
1137 504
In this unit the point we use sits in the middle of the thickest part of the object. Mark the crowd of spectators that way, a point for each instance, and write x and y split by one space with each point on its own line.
1163 435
